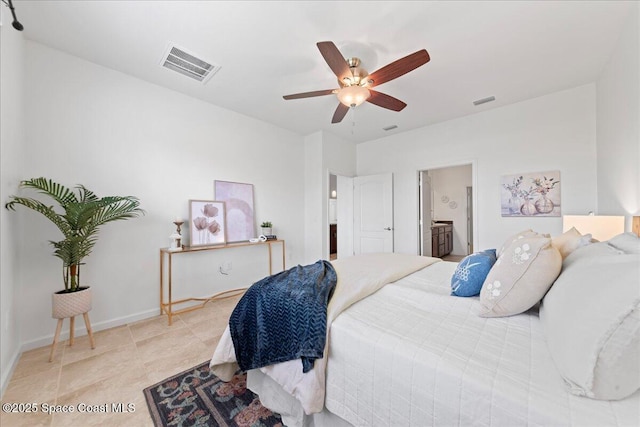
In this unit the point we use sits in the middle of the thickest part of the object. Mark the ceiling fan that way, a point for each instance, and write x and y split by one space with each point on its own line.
356 83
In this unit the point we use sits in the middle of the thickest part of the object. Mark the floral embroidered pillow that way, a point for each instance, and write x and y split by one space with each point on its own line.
469 276
517 236
521 276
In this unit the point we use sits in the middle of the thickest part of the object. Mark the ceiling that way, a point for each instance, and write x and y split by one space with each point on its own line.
511 50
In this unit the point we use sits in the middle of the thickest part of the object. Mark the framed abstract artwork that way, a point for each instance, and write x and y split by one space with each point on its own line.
207 225
530 194
238 198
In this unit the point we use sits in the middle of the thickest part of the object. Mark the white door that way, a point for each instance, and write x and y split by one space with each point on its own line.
373 214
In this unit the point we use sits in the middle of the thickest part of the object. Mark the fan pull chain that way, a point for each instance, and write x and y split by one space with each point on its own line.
353 121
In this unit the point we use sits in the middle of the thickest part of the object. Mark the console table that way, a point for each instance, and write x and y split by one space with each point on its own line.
166 255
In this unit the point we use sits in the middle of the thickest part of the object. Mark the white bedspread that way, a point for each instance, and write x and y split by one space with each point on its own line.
358 277
412 355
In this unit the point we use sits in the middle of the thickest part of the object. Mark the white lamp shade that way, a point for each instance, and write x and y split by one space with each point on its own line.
352 96
601 227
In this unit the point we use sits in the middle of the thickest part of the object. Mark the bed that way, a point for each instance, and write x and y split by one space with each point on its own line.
406 352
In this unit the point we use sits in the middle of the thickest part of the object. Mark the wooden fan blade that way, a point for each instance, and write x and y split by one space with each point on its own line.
398 68
341 111
335 60
385 101
310 94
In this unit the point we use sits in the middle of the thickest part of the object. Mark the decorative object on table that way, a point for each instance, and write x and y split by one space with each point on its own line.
83 215
178 223
531 194
267 228
198 397
208 222
176 238
238 198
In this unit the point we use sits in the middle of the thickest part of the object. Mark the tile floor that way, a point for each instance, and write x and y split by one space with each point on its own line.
126 360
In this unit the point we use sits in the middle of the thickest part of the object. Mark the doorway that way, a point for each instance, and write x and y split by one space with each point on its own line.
340 216
360 215
445 215
333 217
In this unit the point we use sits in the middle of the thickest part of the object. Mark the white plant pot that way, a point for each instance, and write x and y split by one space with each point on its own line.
70 304
266 231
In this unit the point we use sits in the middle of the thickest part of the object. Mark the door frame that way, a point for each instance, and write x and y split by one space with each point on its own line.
474 190
346 231
423 248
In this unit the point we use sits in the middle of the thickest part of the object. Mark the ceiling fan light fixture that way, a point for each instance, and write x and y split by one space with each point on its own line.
352 96
354 81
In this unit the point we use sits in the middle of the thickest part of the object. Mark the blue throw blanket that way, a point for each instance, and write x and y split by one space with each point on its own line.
284 317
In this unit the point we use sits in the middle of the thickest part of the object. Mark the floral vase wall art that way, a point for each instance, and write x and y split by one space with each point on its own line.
207 223
531 194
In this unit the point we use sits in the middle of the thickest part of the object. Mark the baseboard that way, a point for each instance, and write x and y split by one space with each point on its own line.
80 329
6 376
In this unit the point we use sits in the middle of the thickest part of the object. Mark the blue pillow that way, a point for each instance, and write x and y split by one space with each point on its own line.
469 276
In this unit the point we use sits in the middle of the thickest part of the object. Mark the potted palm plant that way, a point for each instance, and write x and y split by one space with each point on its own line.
79 217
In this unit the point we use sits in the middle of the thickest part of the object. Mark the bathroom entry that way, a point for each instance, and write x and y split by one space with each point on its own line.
445 201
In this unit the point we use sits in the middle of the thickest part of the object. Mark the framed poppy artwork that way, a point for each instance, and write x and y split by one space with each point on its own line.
207 223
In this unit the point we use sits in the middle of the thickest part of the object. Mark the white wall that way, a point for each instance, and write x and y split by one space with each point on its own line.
553 132
618 129
118 135
452 182
11 159
314 196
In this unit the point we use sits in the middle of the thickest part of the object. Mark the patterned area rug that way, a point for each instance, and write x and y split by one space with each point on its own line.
196 397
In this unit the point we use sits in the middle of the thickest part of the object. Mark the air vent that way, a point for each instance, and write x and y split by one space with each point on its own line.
484 100
388 128
185 63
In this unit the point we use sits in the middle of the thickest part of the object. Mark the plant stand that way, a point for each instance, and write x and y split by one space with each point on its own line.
87 323
68 306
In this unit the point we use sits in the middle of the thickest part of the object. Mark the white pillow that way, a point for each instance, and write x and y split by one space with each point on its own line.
626 242
591 319
598 249
569 241
520 277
